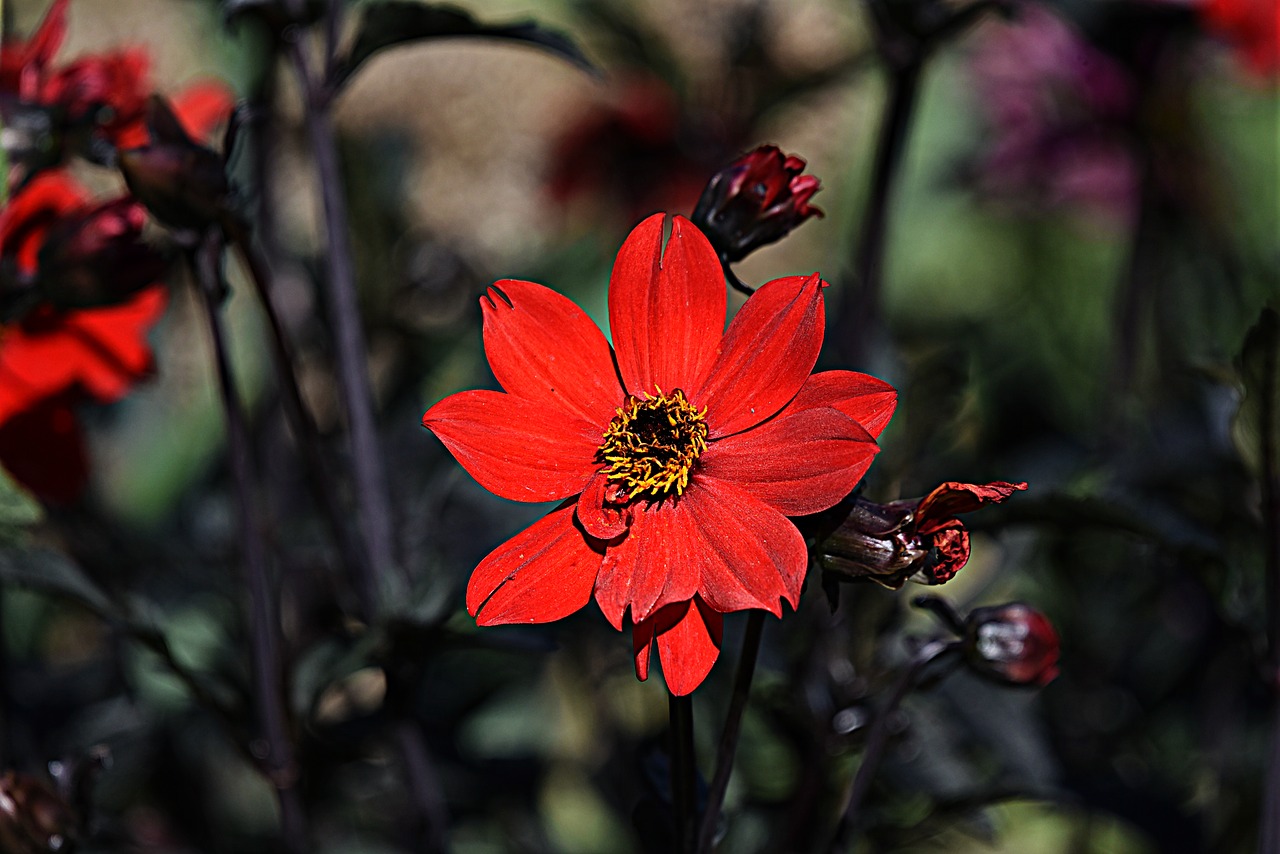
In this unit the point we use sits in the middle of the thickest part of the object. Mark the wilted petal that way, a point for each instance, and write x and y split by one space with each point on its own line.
952 545
544 348
688 636
666 308
766 355
514 448
748 554
865 399
542 574
803 461
940 506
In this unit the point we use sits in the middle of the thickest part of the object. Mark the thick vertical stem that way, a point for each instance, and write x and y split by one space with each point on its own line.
683 773
373 504
861 315
268 687
732 729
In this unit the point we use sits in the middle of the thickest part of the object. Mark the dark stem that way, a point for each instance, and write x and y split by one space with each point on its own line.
732 729
268 687
7 758
1135 295
424 787
878 741
372 503
1270 476
860 311
321 480
683 773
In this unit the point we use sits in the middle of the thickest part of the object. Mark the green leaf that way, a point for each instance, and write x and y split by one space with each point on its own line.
1257 424
394 22
48 571
17 509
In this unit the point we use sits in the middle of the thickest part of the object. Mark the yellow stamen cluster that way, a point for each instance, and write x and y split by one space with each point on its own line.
652 443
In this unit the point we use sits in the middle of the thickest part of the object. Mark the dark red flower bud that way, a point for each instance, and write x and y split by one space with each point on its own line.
34 819
917 540
182 183
98 257
1014 643
756 200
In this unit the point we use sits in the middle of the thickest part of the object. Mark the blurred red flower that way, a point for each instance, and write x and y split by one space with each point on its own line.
680 464
1253 29
1014 643
51 357
107 92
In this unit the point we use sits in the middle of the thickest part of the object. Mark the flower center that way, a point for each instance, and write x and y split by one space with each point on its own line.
652 443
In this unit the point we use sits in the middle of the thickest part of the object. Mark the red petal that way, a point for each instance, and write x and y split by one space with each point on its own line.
601 519
542 574
638 570
44 451
749 555
42 47
766 355
688 635
666 309
953 552
940 506
865 399
101 351
26 218
544 348
203 106
514 448
803 461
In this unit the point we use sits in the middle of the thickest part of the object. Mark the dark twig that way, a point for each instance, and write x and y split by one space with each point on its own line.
878 740
732 729
683 773
268 688
861 321
1270 476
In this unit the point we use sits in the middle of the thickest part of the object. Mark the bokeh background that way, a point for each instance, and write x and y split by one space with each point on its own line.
1085 228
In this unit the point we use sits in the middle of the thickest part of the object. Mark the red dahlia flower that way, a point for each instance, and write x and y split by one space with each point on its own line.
50 357
680 451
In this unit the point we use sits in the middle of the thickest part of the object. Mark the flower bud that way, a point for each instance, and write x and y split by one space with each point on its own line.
1014 643
182 183
34 819
98 257
756 200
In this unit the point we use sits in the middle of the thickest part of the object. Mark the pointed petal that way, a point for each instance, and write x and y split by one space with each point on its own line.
600 518
514 448
767 353
803 461
203 106
542 574
642 648
666 308
544 348
749 555
688 637
865 399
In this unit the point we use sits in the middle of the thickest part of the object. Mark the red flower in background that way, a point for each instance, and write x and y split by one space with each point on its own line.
50 357
107 91
679 465
1252 27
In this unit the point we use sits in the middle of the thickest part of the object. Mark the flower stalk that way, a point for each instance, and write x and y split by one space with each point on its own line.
268 692
684 787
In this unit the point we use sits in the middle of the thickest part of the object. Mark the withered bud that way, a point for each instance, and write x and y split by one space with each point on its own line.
34 819
758 199
1013 643
181 182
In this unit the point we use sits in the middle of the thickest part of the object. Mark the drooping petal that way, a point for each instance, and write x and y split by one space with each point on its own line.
43 448
600 517
766 355
637 570
544 348
803 461
666 308
952 544
514 448
542 574
688 636
940 506
101 351
749 554
865 399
